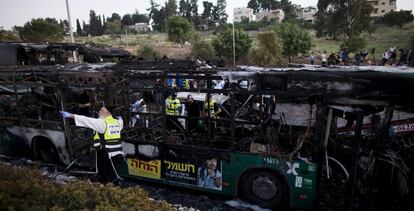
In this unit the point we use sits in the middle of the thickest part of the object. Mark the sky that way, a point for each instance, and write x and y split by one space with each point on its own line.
18 12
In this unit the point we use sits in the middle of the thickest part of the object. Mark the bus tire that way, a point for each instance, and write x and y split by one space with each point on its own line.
45 151
263 188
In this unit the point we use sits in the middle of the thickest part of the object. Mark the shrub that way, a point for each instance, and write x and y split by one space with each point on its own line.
269 50
295 39
179 29
354 44
223 43
26 189
148 53
202 50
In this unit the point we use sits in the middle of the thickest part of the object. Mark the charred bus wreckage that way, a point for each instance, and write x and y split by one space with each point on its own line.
59 53
299 137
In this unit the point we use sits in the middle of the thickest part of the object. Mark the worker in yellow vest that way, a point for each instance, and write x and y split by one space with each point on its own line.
211 111
110 159
211 108
173 109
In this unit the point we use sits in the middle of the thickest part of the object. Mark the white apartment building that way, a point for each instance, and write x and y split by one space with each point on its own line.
242 13
308 14
382 7
278 15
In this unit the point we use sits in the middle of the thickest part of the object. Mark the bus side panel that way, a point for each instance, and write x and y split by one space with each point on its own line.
300 176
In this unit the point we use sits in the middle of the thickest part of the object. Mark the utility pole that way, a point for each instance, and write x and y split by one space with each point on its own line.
234 46
70 30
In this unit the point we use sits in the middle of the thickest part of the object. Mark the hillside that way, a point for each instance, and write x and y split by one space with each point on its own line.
383 38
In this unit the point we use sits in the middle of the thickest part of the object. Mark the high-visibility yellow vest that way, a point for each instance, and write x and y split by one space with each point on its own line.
186 84
209 106
112 136
172 106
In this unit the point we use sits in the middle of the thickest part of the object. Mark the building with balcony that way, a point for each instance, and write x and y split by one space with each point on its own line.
268 15
241 13
382 7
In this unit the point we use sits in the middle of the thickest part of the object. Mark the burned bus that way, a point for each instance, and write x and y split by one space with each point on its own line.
273 136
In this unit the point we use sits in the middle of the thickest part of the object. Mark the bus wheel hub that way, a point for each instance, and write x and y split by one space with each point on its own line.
264 188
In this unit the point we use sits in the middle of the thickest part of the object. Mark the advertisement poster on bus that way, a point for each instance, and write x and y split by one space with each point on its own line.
180 172
206 174
150 169
209 174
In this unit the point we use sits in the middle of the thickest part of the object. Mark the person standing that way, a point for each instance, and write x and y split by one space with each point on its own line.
324 59
110 160
172 109
385 58
312 58
193 112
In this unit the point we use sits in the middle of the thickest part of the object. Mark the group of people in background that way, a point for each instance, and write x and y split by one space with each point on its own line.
363 57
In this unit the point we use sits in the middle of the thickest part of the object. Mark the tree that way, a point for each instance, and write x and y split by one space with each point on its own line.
179 29
398 18
40 30
202 49
95 24
113 27
269 50
219 12
153 7
194 11
354 44
223 43
184 9
8 36
139 18
158 18
79 31
148 53
259 5
86 29
127 20
114 16
206 17
336 17
295 39
171 8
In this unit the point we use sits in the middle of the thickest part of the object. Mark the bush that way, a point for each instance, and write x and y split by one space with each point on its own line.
295 39
202 49
8 36
354 44
41 30
179 29
26 189
269 50
223 43
397 18
148 53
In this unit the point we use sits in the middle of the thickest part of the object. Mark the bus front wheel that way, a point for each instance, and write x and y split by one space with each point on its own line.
263 188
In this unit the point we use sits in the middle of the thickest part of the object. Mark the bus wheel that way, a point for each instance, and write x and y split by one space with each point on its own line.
263 188
46 151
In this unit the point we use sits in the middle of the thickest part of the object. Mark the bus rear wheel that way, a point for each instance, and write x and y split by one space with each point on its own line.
263 188
46 151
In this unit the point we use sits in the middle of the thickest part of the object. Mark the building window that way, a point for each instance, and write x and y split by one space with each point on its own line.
382 11
382 3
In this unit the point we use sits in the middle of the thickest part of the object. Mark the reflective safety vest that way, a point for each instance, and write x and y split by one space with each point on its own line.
186 84
111 138
209 106
172 107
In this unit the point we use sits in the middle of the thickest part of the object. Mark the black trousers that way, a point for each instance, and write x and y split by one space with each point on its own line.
109 169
